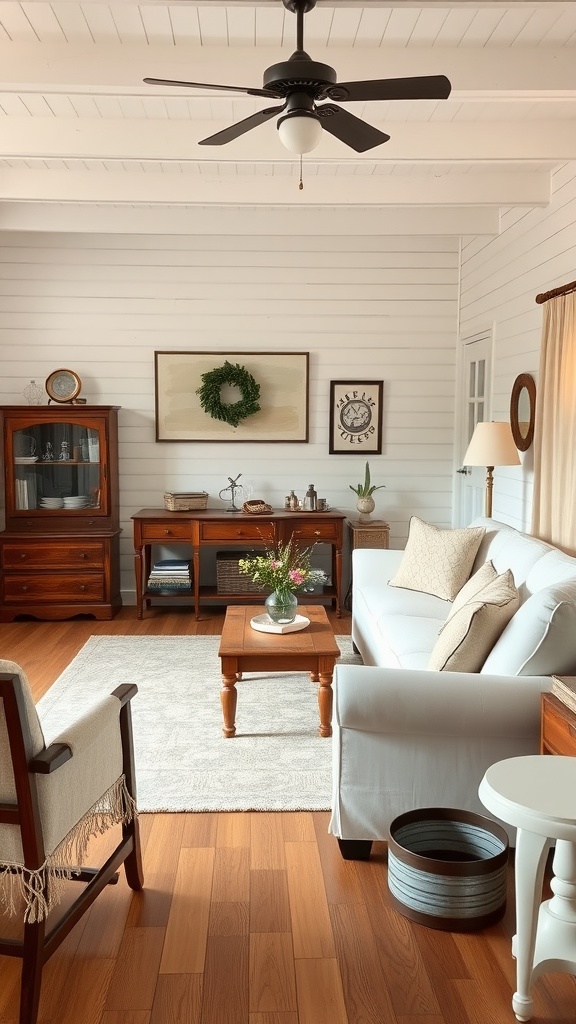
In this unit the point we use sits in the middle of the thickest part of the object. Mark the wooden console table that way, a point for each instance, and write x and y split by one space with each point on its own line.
216 528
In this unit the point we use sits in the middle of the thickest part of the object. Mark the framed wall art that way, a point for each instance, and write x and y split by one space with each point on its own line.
231 396
356 417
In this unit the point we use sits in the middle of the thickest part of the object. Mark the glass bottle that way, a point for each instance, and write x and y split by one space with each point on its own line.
33 393
293 502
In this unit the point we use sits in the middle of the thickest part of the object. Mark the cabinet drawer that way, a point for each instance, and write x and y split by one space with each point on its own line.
231 533
66 555
558 729
27 587
321 530
166 531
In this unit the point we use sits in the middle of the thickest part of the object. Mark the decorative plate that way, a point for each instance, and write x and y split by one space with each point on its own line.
264 624
63 385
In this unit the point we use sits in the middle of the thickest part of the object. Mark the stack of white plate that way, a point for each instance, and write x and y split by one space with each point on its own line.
77 501
51 503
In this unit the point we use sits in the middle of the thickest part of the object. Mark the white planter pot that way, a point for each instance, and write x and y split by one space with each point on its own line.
365 506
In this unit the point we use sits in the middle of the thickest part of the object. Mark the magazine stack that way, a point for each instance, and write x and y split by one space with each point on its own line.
171 574
565 689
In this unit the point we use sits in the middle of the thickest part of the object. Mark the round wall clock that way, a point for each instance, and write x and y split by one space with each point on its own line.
63 385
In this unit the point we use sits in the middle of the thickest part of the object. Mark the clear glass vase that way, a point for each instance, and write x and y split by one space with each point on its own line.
281 606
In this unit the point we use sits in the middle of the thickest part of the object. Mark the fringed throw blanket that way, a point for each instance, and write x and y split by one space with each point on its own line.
41 889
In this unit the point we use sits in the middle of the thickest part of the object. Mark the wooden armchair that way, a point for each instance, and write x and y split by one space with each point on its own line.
52 800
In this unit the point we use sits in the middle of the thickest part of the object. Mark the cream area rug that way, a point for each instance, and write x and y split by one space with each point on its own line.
277 761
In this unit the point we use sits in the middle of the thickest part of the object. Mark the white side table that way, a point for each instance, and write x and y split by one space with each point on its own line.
537 794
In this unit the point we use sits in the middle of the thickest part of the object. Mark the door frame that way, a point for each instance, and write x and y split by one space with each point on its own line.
483 334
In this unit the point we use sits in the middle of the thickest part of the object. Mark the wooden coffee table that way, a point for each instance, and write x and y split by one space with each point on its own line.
243 649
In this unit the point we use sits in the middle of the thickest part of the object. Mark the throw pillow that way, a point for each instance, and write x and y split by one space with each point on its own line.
437 561
467 638
485 574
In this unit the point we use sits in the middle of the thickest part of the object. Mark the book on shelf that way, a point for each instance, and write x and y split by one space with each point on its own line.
171 574
565 689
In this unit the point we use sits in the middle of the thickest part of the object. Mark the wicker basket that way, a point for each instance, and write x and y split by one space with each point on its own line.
229 579
185 501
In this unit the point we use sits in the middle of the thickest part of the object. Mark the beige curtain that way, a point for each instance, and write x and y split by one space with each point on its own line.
554 502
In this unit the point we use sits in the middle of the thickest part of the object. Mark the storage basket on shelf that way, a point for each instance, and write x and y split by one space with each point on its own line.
185 501
229 579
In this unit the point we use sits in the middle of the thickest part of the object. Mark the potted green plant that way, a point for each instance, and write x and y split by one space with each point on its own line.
365 502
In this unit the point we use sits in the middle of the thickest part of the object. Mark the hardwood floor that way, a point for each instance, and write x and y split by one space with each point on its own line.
254 918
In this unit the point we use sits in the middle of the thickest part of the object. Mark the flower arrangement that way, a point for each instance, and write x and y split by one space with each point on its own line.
284 569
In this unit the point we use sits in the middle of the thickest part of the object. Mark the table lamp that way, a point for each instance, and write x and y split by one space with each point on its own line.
491 445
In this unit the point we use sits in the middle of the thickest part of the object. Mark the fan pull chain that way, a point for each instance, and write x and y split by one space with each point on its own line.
301 183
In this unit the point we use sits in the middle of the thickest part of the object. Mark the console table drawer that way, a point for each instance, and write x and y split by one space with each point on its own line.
226 533
312 530
69 555
165 531
28 587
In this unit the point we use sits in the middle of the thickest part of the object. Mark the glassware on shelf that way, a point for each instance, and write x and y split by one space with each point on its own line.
64 452
33 393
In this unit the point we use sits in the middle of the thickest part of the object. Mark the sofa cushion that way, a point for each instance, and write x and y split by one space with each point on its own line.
468 636
481 578
539 640
437 561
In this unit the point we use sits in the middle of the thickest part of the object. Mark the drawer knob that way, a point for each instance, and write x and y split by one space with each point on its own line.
83 554
317 533
23 555
24 589
168 532
83 586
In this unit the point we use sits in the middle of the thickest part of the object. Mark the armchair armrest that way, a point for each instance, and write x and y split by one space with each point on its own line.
125 692
49 759
407 701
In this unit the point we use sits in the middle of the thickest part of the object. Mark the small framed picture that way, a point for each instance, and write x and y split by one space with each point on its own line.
356 417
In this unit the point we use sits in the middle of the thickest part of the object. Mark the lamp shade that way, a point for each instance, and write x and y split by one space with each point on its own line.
300 132
492 444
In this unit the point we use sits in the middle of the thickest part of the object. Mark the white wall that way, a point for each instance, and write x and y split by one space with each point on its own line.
535 252
364 306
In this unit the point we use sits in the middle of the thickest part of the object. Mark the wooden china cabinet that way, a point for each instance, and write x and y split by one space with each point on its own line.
59 550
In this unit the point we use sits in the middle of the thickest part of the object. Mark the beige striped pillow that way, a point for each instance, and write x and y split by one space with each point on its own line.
468 636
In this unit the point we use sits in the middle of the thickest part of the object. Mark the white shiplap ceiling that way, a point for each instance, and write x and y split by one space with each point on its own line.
77 123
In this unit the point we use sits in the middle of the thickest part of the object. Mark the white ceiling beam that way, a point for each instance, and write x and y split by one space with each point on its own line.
486 73
497 189
227 220
141 139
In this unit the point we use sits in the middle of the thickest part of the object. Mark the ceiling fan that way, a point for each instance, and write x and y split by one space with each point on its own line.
302 83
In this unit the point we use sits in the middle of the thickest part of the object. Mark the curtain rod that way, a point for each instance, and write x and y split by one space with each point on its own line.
563 290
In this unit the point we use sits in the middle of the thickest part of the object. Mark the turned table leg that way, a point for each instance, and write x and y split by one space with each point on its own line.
325 703
228 699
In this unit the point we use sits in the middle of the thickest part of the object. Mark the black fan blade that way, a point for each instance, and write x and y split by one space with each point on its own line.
235 130
206 85
426 87
350 129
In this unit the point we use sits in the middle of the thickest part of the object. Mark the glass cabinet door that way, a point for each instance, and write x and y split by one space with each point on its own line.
57 467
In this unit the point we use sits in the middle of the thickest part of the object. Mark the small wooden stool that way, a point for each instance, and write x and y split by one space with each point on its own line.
537 794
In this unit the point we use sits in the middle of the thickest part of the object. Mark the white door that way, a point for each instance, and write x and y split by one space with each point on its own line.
476 355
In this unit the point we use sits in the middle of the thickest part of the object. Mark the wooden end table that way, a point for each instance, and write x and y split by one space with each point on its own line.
243 649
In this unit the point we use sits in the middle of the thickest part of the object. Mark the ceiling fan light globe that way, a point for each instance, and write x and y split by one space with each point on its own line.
299 133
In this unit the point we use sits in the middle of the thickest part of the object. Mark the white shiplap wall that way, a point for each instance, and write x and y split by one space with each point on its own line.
363 306
535 252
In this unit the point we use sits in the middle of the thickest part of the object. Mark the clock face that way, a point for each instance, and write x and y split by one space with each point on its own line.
63 385
355 415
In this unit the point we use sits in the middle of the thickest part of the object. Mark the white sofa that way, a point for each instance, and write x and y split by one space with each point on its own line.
407 737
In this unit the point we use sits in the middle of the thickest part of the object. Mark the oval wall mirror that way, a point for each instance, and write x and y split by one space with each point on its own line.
522 410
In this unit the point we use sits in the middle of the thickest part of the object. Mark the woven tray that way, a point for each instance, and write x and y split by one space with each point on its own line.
182 501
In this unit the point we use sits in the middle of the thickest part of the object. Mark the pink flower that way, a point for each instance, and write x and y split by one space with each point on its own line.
275 564
296 576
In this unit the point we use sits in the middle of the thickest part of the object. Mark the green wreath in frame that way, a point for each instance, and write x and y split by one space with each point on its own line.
210 393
